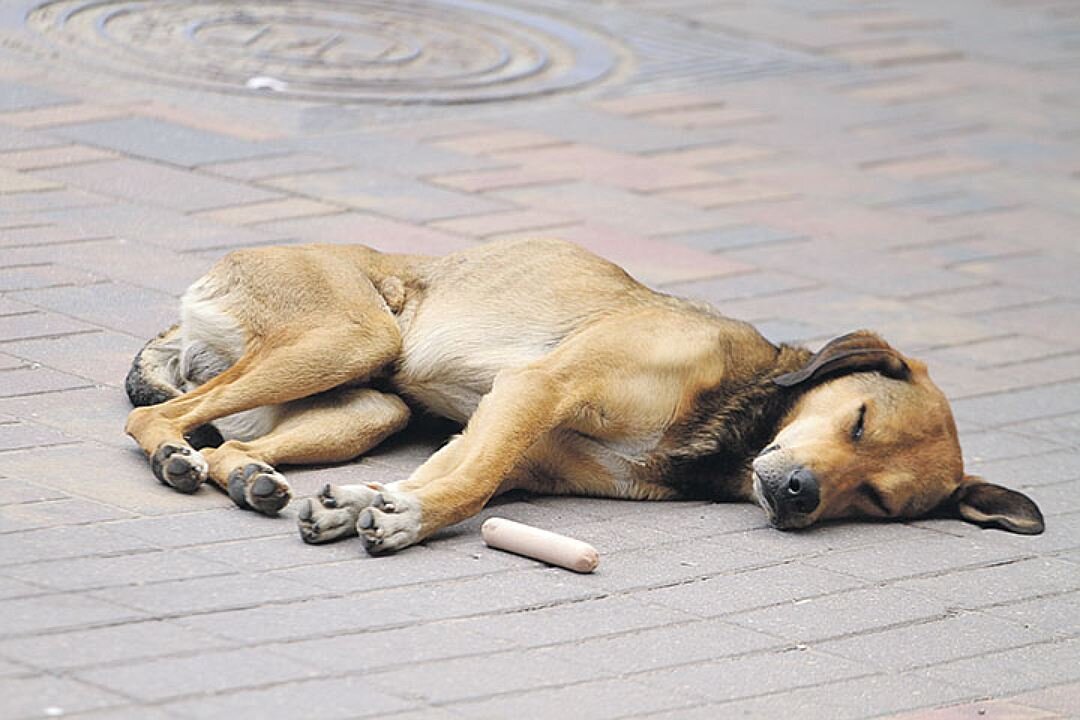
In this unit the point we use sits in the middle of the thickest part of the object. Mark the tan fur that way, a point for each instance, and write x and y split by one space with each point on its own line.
571 377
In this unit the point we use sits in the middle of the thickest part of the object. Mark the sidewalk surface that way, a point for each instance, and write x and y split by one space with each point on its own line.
813 166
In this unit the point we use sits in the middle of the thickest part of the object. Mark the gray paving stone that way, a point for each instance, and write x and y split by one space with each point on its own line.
20 96
103 357
373 651
1015 670
578 621
53 513
601 700
107 645
755 674
154 184
393 154
918 556
735 237
206 527
33 697
386 194
737 287
21 436
26 277
36 324
840 614
52 200
205 594
27 616
12 139
923 644
1021 405
10 588
66 542
444 681
162 140
100 418
854 698
135 569
1055 613
344 698
277 552
762 587
214 671
122 479
302 620
115 305
1007 582
666 646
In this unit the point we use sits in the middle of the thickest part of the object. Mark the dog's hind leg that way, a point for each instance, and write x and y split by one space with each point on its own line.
334 426
301 359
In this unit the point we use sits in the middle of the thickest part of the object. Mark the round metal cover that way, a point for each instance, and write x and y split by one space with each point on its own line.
439 51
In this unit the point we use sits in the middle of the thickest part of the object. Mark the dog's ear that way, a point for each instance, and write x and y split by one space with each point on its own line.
861 351
983 503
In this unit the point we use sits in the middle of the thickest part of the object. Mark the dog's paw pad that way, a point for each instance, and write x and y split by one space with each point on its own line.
257 486
319 524
179 466
391 522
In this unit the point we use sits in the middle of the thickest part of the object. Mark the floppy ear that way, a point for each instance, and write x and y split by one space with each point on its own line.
860 351
983 503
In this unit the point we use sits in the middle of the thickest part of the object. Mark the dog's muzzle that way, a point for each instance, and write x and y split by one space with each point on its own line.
788 493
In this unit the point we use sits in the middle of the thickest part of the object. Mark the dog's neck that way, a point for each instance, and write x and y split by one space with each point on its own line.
707 454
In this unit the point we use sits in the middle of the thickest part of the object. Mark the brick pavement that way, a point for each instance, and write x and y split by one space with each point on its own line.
811 166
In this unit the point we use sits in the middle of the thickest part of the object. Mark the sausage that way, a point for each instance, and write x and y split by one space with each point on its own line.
540 544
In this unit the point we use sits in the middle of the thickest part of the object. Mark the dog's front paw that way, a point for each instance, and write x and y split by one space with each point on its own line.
257 486
179 466
392 522
331 515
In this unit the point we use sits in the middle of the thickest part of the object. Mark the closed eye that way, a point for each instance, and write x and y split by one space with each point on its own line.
876 499
860 424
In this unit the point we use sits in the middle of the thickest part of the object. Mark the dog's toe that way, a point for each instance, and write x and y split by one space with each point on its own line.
392 522
180 467
257 486
318 524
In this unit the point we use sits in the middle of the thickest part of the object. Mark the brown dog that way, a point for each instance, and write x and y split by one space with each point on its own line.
571 378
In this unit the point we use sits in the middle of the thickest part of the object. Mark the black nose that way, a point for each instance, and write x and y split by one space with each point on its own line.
800 492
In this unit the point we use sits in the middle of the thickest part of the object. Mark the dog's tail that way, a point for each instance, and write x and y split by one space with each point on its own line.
155 374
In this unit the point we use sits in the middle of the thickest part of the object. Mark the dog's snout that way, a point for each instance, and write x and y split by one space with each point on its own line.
801 492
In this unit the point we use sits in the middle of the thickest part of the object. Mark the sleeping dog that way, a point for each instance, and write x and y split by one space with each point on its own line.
569 377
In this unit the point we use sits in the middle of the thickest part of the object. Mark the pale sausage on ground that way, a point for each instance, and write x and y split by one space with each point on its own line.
540 544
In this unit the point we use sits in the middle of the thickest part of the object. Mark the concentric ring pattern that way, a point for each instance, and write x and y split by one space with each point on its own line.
438 51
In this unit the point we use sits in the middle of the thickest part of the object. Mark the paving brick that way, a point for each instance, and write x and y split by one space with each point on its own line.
755 588
391 153
53 157
854 698
13 491
616 208
483 181
656 102
275 166
443 681
1054 613
668 646
155 184
161 140
23 435
503 222
730 194
24 140
204 594
121 479
207 672
709 117
717 156
1061 699
1008 582
1018 406
343 698
25 277
72 511
270 211
13 182
41 696
755 674
726 238
1013 670
65 114
991 710
277 552
918 556
66 542
386 194
920 645
208 526
10 588
365 652
495 140
106 645
842 614
898 91
103 357
28 616
130 569
50 201
614 698
380 233
19 96
114 305
890 54
34 379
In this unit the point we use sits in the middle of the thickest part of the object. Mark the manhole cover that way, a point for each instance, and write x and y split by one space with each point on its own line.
440 51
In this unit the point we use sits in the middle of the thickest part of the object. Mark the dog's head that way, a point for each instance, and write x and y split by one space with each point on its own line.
871 436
